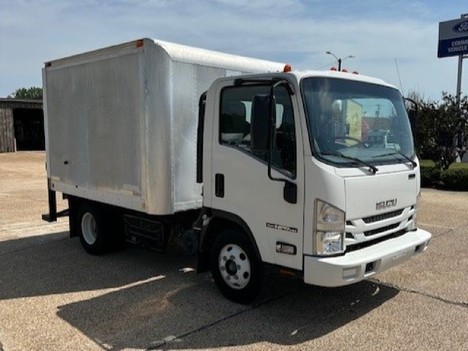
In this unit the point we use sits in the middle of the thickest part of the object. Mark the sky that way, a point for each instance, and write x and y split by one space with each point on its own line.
395 40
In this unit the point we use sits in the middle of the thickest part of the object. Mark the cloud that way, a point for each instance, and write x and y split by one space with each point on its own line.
294 31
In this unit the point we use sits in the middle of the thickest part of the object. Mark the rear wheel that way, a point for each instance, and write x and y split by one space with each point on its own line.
235 267
92 229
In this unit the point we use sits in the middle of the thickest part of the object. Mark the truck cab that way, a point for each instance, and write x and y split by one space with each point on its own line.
312 171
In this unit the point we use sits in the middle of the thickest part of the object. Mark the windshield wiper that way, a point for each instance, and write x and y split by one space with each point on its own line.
395 153
372 168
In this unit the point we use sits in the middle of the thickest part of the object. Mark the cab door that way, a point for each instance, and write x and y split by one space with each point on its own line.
240 182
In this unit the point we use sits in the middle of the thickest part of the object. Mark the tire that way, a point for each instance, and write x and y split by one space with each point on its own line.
91 229
236 269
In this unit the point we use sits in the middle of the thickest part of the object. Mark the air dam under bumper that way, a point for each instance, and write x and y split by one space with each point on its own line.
360 264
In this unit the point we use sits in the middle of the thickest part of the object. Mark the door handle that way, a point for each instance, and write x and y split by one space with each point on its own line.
219 185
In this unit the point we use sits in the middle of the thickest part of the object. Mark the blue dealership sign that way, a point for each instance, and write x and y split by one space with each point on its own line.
453 38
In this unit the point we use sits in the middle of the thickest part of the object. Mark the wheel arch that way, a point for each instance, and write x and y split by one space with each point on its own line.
217 222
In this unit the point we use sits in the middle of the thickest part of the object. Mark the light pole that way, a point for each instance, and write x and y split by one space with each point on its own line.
460 67
339 59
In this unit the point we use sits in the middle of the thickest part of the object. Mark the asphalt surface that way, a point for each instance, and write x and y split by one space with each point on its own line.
54 296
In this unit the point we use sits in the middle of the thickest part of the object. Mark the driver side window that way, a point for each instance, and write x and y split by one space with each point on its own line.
235 117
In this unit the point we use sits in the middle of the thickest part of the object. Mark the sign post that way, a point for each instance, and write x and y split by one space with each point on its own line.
453 41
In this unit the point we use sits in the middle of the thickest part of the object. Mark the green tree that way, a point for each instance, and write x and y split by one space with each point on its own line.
442 129
32 93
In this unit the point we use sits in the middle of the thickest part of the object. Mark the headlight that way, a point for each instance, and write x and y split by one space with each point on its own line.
329 229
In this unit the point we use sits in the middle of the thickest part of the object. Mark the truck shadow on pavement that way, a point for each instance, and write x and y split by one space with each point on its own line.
305 314
55 264
182 310
138 299
173 314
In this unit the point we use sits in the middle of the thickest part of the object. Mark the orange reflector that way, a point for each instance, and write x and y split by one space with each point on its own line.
287 68
139 43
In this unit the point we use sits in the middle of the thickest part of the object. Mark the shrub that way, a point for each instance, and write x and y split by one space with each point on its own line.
430 176
455 179
441 128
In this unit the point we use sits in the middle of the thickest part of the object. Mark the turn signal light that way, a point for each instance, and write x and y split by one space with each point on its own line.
284 248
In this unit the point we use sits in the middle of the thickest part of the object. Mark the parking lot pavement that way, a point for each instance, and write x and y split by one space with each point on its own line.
53 296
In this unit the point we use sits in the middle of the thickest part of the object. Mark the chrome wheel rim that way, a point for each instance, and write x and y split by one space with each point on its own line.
234 266
88 228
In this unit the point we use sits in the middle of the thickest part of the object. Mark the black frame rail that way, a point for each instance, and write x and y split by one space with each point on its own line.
53 214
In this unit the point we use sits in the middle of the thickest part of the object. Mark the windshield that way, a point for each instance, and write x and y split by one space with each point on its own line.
354 123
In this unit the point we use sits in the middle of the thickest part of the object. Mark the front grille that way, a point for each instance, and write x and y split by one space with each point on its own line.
363 245
381 217
381 230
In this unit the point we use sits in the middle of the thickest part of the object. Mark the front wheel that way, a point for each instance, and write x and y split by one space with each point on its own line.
236 269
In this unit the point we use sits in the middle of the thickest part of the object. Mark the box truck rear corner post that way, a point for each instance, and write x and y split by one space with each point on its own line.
245 162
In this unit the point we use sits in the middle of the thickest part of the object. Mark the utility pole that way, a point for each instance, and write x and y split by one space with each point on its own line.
460 68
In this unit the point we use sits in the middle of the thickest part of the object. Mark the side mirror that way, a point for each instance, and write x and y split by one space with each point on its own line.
260 122
261 135
412 113
290 192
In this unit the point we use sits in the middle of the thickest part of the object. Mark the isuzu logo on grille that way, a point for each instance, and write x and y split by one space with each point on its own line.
382 205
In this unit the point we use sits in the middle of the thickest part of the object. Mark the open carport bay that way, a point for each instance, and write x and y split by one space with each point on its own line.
54 296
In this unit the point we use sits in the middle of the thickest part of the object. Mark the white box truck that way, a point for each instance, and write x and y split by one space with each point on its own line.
245 162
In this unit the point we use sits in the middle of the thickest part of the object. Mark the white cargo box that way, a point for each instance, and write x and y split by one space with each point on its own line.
121 122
